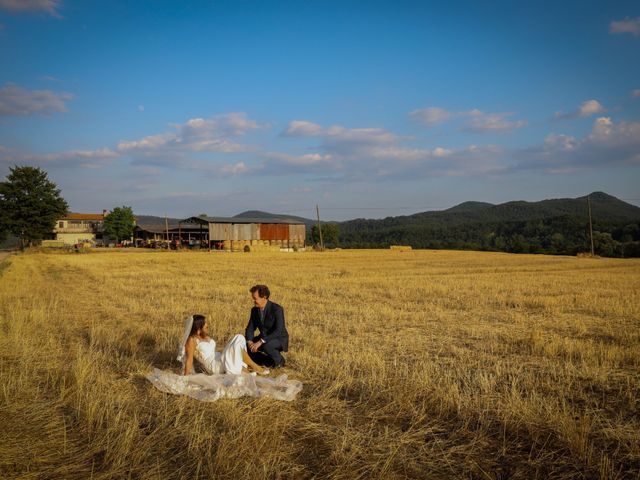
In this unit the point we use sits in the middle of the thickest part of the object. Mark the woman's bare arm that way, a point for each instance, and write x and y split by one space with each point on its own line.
189 348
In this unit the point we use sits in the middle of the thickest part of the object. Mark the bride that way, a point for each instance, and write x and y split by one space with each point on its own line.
198 344
225 375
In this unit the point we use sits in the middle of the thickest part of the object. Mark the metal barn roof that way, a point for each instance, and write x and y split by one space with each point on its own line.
240 220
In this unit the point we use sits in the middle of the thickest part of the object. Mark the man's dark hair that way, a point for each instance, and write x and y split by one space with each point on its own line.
263 290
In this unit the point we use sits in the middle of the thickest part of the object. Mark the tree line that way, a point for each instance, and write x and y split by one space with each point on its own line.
561 235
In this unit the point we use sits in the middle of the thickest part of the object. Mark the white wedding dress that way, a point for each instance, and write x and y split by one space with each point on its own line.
224 377
229 361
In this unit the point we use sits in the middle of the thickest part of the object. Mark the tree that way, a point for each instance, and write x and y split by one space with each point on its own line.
30 204
4 227
605 245
119 223
330 234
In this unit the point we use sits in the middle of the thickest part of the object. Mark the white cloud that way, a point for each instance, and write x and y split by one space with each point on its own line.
168 149
234 169
338 142
281 163
431 116
441 152
562 142
352 154
386 155
152 142
16 100
477 121
415 163
622 134
307 159
337 134
359 153
628 25
602 129
590 107
100 153
586 109
17 6
234 123
213 134
607 144
302 128
493 123
79 158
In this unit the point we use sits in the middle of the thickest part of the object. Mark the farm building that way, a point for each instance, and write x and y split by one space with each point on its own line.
169 231
79 227
235 233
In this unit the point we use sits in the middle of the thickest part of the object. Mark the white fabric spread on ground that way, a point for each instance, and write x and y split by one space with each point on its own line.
209 388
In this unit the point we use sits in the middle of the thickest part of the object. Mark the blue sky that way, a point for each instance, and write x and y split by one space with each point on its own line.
368 109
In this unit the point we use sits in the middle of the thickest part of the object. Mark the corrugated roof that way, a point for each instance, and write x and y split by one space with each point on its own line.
242 220
173 227
84 216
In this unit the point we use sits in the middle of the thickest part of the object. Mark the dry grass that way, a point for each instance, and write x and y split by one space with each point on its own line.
423 364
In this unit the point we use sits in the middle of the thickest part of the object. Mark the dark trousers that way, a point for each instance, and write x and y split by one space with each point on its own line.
269 354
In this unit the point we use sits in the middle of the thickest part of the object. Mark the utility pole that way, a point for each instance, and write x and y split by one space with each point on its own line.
319 229
590 225
166 226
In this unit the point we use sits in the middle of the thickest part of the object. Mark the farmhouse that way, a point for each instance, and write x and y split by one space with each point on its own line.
79 227
236 233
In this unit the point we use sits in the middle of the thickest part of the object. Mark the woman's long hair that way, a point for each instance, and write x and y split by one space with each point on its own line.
198 323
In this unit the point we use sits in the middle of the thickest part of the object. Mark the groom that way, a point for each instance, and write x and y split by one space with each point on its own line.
268 318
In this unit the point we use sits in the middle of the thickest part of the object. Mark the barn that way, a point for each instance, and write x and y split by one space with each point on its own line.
243 233
235 233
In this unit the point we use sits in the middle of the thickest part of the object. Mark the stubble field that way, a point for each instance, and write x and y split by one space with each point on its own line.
424 364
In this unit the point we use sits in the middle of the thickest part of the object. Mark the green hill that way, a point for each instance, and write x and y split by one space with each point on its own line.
558 226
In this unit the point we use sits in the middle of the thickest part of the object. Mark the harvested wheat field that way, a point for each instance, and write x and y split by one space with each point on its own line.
421 364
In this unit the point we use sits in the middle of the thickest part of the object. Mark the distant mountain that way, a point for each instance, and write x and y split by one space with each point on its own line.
266 216
467 207
548 226
603 206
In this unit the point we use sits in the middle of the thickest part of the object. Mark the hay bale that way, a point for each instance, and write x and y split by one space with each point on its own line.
401 248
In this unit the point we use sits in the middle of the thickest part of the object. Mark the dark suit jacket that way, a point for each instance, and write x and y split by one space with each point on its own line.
273 327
